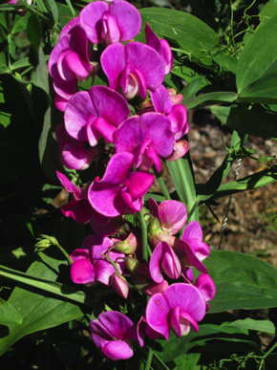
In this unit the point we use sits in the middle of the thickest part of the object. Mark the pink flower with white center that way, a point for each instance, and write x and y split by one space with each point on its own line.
180 307
110 22
69 62
164 261
112 333
133 68
78 208
120 191
96 113
161 46
148 137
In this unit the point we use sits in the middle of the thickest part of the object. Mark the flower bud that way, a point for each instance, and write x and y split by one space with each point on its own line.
131 264
159 234
120 285
127 246
46 241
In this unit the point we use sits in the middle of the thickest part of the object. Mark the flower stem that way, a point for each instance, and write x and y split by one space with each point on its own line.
145 246
64 252
163 187
149 359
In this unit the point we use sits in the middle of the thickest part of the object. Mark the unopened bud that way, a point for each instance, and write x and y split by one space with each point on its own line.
180 149
131 264
159 234
127 246
46 241
120 285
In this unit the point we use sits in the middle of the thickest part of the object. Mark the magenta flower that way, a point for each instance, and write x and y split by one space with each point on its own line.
206 286
74 154
78 208
177 113
95 113
109 23
112 332
164 260
191 248
133 68
120 191
193 236
161 46
90 264
171 214
69 62
179 307
148 137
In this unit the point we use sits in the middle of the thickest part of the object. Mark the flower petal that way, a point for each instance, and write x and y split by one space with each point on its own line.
82 271
128 19
78 112
157 311
117 350
172 215
113 62
90 19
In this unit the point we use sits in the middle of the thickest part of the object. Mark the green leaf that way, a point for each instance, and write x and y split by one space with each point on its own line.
217 96
52 7
268 11
181 175
242 281
38 312
9 315
34 31
194 37
263 326
255 121
221 113
255 181
257 66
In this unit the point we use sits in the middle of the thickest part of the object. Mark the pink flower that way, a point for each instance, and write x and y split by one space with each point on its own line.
164 260
191 248
112 332
161 46
133 68
120 191
148 137
109 23
69 62
172 216
95 113
206 286
78 208
179 307
177 113
74 154
91 263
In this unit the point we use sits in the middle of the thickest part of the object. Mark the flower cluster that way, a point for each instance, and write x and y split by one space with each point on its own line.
129 127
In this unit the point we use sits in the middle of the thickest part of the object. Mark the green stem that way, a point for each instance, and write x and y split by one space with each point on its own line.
163 187
42 284
182 176
145 246
149 359
68 2
64 252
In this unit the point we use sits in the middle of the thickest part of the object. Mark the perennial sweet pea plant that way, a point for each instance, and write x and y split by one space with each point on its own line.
122 270
136 126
